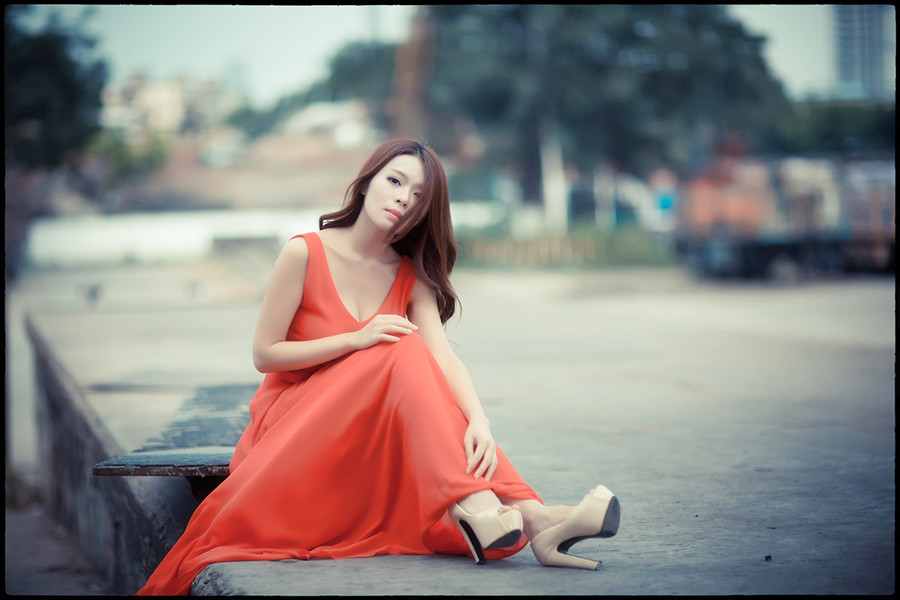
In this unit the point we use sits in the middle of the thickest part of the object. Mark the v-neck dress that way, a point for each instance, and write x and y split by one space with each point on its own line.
356 457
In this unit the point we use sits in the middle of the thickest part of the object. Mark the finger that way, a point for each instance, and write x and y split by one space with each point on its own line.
470 451
402 321
477 460
484 467
486 461
474 460
494 464
387 328
491 462
402 329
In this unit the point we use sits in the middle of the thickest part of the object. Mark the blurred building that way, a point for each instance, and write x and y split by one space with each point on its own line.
865 41
349 123
173 105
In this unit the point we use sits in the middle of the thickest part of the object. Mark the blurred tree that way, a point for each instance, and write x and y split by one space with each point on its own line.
633 85
362 70
254 123
124 160
838 128
52 91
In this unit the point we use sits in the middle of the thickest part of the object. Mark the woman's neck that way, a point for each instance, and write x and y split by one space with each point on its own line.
366 241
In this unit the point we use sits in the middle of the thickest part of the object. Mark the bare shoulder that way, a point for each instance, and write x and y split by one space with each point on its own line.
296 249
292 261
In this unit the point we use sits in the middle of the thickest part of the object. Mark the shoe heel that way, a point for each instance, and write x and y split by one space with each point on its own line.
472 541
560 559
597 515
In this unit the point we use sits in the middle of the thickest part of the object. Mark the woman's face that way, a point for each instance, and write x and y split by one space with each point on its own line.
393 190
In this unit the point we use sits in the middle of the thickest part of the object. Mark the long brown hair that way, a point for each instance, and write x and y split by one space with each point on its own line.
426 233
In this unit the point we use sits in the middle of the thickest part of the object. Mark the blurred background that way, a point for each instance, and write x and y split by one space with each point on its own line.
733 140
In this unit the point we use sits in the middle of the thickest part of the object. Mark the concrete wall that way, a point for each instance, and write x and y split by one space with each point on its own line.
124 525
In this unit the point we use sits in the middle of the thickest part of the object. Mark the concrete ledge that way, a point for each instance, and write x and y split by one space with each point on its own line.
125 525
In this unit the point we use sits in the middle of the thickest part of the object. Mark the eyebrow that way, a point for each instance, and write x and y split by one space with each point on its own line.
401 173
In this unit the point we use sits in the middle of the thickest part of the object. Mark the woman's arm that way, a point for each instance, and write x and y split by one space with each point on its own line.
283 296
271 352
480 446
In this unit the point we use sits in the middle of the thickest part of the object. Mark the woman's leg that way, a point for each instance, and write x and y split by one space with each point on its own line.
536 516
482 501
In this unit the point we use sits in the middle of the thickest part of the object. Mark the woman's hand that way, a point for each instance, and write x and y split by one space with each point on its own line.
382 328
481 449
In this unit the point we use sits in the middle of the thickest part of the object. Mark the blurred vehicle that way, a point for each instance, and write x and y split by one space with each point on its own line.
785 218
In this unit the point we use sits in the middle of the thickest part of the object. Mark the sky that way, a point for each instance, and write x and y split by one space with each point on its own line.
279 50
800 47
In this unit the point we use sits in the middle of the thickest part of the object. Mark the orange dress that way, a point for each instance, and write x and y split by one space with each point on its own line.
356 457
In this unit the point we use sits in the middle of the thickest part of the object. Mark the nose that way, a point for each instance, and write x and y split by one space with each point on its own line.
403 199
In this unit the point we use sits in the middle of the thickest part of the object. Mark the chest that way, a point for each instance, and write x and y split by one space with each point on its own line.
362 287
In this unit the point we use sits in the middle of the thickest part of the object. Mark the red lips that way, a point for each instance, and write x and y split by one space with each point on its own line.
394 213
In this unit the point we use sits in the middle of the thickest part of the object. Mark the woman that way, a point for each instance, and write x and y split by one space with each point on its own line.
366 435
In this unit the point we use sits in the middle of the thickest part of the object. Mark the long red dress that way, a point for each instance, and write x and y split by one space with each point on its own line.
359 456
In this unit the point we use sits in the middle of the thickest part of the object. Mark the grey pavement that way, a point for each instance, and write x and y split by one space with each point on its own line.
42 559
748 430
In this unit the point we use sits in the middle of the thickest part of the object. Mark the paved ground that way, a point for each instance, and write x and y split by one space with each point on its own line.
41 559
748 430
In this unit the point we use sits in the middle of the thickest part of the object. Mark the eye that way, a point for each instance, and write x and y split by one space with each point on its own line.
394 180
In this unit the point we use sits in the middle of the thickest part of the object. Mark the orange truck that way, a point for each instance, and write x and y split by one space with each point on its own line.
788 217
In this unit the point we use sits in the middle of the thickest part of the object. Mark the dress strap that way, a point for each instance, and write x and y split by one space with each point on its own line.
317 274
316 248
311 235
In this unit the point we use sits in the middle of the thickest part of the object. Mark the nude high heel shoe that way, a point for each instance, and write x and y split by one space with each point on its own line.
487 530
597 515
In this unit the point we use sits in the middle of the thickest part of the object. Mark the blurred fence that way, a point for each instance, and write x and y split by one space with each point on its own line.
628 247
